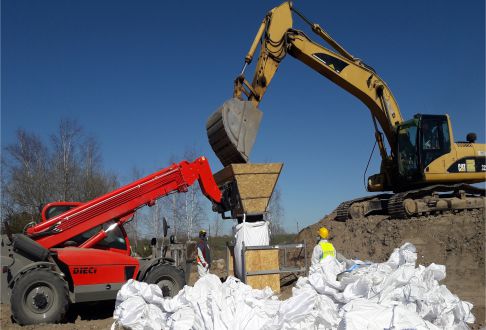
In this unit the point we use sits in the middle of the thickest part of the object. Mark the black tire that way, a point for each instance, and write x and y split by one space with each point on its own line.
39 296
169 279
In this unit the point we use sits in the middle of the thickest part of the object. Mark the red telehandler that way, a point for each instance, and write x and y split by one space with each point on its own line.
80 252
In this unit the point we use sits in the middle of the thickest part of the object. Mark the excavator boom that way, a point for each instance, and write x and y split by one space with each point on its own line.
233 127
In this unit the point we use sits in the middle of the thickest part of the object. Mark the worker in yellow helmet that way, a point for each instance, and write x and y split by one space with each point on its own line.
323 249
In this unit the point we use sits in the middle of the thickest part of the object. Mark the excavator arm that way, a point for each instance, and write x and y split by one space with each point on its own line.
122 203
277 38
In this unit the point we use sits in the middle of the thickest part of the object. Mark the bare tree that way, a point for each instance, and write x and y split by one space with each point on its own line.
155 219
186 211
93 182
275 214
65 144
25 174
194 212
34 174
172 210
217 225
134 228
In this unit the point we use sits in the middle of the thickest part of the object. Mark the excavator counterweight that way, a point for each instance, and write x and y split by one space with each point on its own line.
232 130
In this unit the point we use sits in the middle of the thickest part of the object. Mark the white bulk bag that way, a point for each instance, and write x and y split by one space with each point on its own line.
251 234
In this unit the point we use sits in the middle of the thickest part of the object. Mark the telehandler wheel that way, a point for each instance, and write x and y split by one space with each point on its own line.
169 279
39 296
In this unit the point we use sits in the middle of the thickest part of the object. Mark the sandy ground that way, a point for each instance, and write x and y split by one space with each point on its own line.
454 240
81 317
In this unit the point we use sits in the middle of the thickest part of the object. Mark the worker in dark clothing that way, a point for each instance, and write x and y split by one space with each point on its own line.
203 254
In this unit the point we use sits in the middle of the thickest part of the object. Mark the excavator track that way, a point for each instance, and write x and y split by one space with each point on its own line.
359 207
342 211
411 203
427 200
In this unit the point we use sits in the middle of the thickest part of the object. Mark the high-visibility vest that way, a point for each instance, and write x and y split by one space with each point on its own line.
327 250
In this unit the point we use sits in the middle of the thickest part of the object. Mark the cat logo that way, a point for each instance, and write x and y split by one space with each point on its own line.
334 63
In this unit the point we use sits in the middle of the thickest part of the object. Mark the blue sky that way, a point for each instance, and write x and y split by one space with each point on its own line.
143 76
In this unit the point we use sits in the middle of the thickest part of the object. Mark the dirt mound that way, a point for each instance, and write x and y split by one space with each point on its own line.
454 240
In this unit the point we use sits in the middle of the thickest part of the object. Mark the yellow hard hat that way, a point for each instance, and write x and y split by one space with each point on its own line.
323 232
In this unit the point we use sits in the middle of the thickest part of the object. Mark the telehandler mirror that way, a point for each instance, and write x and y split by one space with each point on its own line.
8 231
153 241
165 226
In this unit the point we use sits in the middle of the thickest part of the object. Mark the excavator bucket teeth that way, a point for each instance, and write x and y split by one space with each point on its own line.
232 130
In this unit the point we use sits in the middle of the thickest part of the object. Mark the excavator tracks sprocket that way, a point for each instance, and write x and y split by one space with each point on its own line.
342 211
396 208
360 207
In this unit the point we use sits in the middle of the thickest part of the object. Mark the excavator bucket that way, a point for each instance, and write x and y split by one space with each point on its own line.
232 130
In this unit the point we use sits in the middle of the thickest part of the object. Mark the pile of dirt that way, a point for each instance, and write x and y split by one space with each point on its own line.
454 240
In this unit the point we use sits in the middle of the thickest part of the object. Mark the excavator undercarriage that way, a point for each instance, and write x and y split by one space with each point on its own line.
425 201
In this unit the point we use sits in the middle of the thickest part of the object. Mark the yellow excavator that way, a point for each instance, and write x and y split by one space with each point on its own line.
425 169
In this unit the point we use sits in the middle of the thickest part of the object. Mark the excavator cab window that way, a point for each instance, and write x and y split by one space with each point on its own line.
408 165
421 141
434 138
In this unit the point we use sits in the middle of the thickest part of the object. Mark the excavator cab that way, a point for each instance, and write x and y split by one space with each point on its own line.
420 141
435 139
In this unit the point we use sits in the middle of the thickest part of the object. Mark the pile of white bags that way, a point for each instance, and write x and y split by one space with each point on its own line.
390 295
